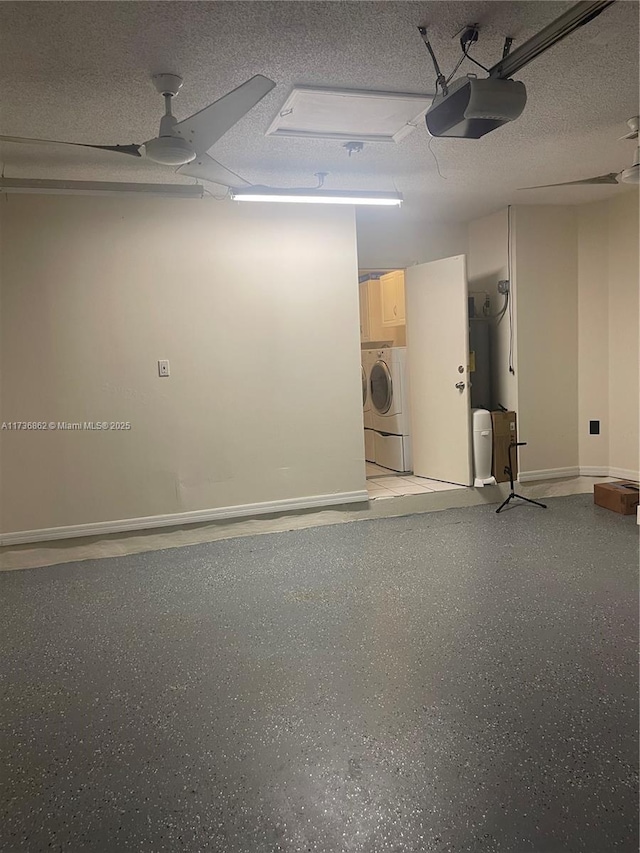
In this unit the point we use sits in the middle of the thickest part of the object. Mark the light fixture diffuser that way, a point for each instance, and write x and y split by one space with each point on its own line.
313 196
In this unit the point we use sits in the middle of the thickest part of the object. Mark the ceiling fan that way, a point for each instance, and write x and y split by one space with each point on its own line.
627 176
186 143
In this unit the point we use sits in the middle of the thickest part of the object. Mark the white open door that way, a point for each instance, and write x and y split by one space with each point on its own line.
438 365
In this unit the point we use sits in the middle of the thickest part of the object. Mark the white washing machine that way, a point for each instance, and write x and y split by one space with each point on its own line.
390 409
368 357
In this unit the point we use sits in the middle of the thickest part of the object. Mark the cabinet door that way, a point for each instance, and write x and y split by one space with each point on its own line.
402 316
364 311
392 295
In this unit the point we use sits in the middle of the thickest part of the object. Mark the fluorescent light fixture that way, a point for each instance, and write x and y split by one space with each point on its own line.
35 185
312 196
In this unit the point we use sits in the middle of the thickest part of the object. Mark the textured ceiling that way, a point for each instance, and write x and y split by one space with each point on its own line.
80 71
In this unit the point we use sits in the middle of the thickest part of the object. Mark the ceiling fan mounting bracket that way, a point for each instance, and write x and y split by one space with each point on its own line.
468 35
167 84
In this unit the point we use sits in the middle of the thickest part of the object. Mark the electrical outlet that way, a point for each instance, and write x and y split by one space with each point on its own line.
163 367
503 286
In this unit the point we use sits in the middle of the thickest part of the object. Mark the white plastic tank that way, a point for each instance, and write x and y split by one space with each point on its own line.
482 447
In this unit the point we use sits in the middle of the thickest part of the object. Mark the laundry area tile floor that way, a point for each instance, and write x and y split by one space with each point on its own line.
383 483
448 681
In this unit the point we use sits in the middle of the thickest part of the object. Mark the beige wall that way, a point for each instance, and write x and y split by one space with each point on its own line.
487 264
593 335
391 239
256 307
608 334
543 387
623 273
545 269
575 287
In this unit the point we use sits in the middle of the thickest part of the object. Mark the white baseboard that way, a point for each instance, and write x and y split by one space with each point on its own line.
624 474
582 471
594 471
548 474
103 528
605 471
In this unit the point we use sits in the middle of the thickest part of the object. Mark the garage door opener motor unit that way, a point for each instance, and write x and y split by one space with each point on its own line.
472 106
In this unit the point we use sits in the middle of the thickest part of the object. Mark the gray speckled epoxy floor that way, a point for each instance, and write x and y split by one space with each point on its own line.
455 681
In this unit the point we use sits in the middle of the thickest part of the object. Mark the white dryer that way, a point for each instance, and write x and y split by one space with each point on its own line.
388 391
390 409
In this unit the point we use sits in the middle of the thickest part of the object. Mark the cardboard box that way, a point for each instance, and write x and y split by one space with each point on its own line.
620 497
505 431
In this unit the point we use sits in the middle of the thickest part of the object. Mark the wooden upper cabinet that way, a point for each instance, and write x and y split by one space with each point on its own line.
365 330
392 297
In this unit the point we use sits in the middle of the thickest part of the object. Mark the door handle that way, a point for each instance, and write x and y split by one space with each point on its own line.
460 386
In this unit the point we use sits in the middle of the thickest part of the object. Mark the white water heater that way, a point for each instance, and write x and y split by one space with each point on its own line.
482 447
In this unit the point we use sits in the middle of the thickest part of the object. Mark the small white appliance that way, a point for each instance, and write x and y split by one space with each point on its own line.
482 447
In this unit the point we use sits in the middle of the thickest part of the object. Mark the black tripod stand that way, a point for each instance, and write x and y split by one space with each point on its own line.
509 471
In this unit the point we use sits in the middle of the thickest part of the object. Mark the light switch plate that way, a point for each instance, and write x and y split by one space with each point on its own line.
163 367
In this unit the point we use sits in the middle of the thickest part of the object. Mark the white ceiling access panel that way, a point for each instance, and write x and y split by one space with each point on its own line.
349 114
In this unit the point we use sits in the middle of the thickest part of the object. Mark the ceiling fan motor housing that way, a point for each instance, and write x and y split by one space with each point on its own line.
632 175
169 150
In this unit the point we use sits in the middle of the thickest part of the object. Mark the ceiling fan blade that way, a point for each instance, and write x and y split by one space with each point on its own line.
611 178
133 150
203 129
208 169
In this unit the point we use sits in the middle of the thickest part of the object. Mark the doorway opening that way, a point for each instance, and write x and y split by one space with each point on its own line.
385 389
426 376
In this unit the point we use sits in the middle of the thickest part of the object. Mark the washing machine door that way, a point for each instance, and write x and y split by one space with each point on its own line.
364 388
381 387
